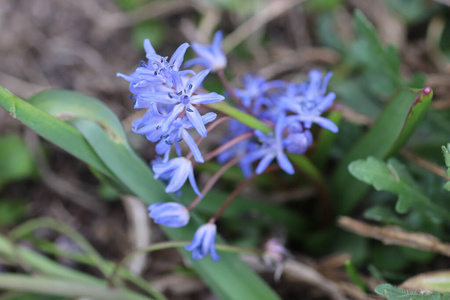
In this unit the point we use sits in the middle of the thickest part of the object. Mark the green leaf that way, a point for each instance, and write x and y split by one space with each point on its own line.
326 140
71 105
16 161
369 51
354 276
100 144
390 132
393 177
52 129
229 278
446 151
393 293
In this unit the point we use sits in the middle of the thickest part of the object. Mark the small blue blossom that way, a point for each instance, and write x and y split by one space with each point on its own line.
210 56
204 242
178 132
158 70
177 170
170 214
183 99
255 89
272 147
312 101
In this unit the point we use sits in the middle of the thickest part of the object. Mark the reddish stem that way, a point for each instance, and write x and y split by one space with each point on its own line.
237 191
213 181
228 145
208 129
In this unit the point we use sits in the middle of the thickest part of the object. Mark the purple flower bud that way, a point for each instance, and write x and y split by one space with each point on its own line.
204 242
170 214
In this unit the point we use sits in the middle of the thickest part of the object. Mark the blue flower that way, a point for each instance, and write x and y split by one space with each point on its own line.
178 131
312 101
210 56
157 71
271 148
170 214
204 242
255 89
183 99
176 170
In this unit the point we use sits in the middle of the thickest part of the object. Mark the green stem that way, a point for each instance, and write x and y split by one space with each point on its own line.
39 223
109 266
59 287
177 244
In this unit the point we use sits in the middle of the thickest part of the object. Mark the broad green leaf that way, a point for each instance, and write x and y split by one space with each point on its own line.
393 293
432 281
393 177
75 105
16 161
229 278
52 129
446 151
390 132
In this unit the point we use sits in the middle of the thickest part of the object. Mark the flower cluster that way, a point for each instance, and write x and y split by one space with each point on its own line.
292 108
171 97
175 108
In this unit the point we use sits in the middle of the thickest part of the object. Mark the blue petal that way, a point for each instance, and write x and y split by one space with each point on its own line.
217 40
284 163
264 163
149 50
198 238
196 119
178 56
327 124
191 144
171 117
179 176
197 61
194 183
206 98
195 81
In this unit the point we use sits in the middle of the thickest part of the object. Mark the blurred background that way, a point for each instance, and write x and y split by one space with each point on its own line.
81 45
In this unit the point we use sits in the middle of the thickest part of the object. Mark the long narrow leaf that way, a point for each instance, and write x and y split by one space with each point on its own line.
386 137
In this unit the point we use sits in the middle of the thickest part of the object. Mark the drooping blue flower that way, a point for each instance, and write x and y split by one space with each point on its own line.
177 170
209 56
204 242
312 101
271 147
298 139
170 214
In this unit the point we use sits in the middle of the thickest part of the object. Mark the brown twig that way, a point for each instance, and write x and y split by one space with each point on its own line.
432 167
393 235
